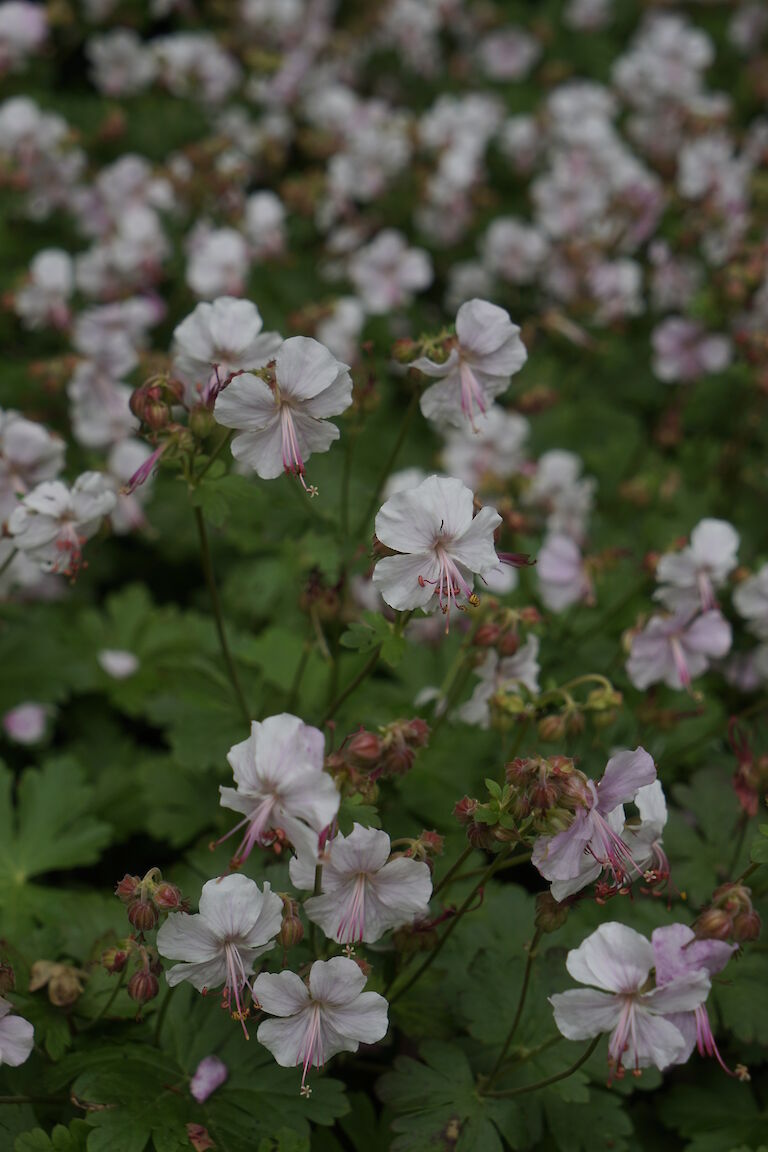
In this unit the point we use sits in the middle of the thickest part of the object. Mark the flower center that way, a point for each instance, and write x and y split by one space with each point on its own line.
624 1037
450 586
472 395
236 982
352 922
311 1052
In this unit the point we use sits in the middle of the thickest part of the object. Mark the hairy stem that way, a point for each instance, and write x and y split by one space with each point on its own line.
549 1079
205 555
520 1006
487 874
453 869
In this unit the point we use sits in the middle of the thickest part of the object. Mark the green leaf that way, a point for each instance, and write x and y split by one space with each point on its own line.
372 632
61 1139
596 1125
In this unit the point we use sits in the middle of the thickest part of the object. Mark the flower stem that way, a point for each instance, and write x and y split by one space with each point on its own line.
108 1003
549 1079
407 421
489 871
161 1016
222 444
454 869
519 1010
205 554
356 681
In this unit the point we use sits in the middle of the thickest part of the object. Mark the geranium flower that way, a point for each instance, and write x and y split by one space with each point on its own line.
16 1036
487 352
53 522
29 454
562 574
689 578
280 424
442 545
594 836
332 1015
237 923
218 339
500 675
677 954
751 602
209 1075
364 893
617 960
674 650
281 786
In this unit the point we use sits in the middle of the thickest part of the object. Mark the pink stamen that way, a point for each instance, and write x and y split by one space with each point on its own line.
450 585
311 1052
236 982
70 548
352 923
706 592
257 822
705 1040
292 458
613 852
678 656
143 473
471 393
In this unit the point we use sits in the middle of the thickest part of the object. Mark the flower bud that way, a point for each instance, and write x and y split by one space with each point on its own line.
551 728
364 747
713 924
167 897
143 986
291 930
143 915
404 350
574 723
550 914
128 888
746 926
114 959
201 422
509 643
487 635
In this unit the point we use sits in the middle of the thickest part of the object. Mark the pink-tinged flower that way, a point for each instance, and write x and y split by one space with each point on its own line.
387 272
44 299
23 29
488 351
209 1075
674 650
279 425
364 893
26 723
53 522
332 1015
751 602
441 544
500 676
118 663
689 578
678 954
237 923
282 789
644 840
562 574
218 339
17 1037
683 351
593 842
492 451
618 961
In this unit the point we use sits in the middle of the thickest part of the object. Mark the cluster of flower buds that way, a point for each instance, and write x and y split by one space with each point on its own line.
729 915
63 981
492 822
143 984
388 752
146 899
546 791
601 705
501 629
423 848
153 402
436 348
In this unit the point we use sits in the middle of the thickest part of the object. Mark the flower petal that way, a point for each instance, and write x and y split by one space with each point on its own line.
582 1012
624 774
614 958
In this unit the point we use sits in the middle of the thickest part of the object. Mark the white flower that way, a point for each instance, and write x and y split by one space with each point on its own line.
618 961
340 332
218 263
676 649
44 300
387 272
121 65
237 923
282 789
364 893
688 578
751 602
564 493
494 450
562 574
488 352
332 1015
53 522
218 339
501 675
26 723
29 454
280 425
442 545
118 663
100 407
16 1037
264 224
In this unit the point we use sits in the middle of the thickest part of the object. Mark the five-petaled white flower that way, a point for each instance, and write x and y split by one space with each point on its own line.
16 1036
53 522
364 893
332 1015
487 352
617 960
688 578
442 545
237 923
281 423
282 789
218 339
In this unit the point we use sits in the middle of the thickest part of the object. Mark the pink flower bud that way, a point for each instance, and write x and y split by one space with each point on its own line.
143 986
143 915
